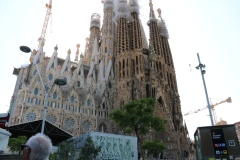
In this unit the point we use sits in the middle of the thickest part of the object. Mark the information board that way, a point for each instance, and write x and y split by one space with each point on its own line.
219 144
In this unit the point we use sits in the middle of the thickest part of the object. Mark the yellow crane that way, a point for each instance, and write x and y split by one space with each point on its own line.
228 100
45 24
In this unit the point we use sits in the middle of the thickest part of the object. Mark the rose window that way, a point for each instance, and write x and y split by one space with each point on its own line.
69 122
31 116
51 119
86 125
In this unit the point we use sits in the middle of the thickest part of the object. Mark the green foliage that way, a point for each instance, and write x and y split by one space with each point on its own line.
65 151
15 143
89 151
153 147
53 156
138 116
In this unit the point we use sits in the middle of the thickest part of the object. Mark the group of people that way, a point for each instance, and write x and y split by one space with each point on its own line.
38 147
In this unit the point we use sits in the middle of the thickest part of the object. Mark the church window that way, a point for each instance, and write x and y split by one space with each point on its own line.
39 101
86 125
83 110
54 95
69 122
51 119
36 91
88 102
106 41
52 66
50 76
123 64
66 69
28 99
31 100
31 116
36 101
105 49
65 79
103 105
34 73
72 99
78 83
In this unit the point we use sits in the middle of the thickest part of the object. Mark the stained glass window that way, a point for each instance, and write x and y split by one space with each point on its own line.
31 116
86 125
88 102
34 73
72 99
50 76
36 91
54 95
78 83
51 118
69 122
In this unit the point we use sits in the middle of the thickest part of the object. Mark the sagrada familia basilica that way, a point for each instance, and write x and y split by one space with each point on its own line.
118 65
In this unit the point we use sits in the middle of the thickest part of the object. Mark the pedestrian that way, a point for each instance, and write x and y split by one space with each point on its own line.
38 147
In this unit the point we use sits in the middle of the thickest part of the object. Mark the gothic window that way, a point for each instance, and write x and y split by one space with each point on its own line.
88 102
65 79
72 99
36 91
102 127
39 101
54 95
50 76
29 99
31 116
69 122
123 64
78 83
105 49
106 41
86 125
51 119
103 105
160 101
52 66
66 69
34 73
119 66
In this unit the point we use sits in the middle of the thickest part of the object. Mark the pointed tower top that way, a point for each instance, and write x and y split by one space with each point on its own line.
159 13
150 3
69 51
151 15
56 48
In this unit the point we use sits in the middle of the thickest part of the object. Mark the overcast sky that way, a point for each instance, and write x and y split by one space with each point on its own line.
207 27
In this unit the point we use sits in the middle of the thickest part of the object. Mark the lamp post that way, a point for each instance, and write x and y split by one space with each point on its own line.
57 81
202 66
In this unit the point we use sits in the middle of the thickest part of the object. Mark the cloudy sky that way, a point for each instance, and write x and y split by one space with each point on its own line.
207 27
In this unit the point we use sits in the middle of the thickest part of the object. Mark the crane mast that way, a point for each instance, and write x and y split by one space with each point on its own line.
45 24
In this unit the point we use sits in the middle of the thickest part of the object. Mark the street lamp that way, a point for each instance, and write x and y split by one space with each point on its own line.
202 66
57 81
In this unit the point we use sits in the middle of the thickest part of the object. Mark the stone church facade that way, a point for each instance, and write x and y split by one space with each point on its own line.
117 66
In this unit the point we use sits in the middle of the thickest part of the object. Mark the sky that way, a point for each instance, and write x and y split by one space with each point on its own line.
207 27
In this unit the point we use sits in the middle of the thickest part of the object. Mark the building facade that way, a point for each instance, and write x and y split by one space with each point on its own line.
237 126
118 65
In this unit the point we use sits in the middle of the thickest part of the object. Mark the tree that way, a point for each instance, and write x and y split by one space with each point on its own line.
89 151
15 143
154 147
65 151
138 116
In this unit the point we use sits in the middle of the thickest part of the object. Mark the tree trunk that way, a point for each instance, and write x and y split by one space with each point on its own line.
140 146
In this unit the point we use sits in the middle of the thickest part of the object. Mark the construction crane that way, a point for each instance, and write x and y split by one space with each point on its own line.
45 24
228 100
